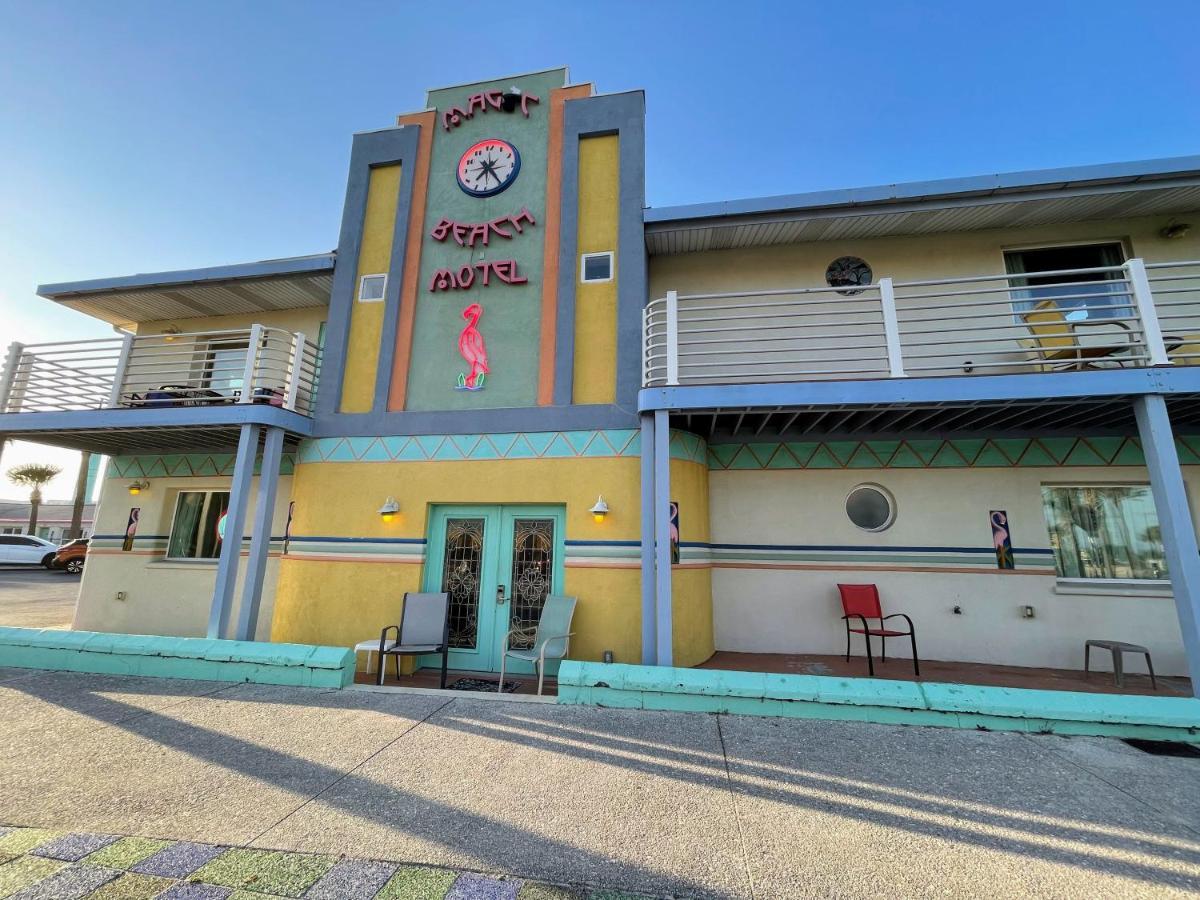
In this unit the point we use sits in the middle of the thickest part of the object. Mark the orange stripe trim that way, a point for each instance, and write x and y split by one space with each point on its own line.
398 393
553 222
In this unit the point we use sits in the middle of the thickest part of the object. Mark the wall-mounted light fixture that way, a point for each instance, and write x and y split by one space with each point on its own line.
600 510
136 487
1175 231
388 511
510 99
170 332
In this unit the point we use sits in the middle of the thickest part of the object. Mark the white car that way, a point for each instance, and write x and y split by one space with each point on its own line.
25 549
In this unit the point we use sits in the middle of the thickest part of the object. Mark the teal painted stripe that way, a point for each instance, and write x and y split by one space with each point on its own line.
878 700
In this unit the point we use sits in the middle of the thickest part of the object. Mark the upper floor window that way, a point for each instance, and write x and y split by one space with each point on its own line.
1106 531
596 267
371 288
1078 296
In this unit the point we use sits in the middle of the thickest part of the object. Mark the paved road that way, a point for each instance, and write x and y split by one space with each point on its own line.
665 803
34 597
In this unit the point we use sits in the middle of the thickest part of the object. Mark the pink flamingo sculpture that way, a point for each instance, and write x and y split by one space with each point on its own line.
473 350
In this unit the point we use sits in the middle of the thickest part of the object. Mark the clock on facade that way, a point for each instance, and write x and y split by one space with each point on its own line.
848 271
488 167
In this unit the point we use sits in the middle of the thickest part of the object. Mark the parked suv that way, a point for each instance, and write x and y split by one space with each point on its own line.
25 549
70 556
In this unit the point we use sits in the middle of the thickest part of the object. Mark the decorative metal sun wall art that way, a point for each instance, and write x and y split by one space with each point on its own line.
848 272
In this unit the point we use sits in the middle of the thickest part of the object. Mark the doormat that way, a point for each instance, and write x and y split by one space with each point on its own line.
482 684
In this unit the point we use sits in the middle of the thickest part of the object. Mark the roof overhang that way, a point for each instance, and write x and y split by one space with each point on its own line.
1042 197
274 284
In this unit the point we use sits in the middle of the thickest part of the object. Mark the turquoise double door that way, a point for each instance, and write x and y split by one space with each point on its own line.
498 564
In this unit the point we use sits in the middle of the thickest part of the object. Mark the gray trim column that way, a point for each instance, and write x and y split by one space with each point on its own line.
260 538
649 611
1175 522
662 538
231 546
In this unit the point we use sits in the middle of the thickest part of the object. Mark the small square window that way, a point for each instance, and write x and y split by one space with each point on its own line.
596 267
371 288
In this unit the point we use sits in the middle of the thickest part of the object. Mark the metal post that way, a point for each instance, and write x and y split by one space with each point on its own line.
649 612
672 338
235 522
256 336
1174 521
260 537
114 396
9 375
293 388
662 538
891 328
1143 298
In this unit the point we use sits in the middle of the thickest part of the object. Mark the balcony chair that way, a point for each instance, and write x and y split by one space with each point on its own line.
550 641
424 628
861 602
1060 343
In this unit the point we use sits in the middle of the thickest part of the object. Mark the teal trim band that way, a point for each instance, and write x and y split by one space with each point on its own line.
185 465
957 453
300 665
613 442
878 700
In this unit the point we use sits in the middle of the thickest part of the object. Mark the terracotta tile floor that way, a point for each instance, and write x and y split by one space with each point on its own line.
957 672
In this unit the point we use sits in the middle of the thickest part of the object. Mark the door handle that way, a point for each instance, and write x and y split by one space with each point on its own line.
500 598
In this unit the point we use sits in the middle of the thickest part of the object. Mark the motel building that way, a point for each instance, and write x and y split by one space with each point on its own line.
512 379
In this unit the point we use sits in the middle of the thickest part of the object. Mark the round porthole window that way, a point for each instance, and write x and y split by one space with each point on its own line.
871 508
848 272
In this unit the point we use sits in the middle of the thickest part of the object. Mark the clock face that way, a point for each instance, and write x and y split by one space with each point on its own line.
488 167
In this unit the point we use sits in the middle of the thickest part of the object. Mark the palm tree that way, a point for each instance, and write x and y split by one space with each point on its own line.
33 476
81 485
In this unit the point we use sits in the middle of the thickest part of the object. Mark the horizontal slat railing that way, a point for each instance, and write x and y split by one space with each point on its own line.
247 365
1131 315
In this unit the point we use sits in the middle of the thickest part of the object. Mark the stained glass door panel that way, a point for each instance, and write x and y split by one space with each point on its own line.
530 576
462 573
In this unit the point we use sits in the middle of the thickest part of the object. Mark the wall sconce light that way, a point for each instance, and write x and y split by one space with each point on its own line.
1175 231
600 510
137 487
510 99
388 511
169 333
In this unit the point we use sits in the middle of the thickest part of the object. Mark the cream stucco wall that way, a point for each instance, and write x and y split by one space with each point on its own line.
797 611
162 596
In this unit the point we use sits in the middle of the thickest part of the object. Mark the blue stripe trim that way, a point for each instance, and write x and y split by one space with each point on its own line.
872 548
573 543
356 540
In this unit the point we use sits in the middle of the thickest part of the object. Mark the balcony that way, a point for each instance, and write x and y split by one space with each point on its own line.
178 390
1131 316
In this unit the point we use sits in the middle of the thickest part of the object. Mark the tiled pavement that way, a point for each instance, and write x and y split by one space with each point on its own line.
40 864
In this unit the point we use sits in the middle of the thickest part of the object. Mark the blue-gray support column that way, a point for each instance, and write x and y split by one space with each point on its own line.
1174 520
662 537
649 611
235 522
260 537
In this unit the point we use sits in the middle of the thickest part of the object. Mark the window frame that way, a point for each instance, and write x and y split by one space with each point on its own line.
362 281
1010 277
209 494
1083 581
612 266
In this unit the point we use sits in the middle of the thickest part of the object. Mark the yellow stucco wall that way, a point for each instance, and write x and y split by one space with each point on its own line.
344 602
366 319
596 303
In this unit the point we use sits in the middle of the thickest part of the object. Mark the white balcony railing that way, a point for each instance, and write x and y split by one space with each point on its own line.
1131 315
249 365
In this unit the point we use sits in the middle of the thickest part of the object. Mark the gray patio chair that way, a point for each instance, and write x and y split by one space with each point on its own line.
424 628
550 641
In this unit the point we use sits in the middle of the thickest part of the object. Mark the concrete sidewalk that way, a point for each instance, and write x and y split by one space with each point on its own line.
660 803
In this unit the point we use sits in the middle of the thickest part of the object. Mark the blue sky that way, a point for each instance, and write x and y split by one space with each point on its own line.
149 136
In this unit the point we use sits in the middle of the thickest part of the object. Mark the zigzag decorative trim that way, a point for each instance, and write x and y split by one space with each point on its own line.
616 442
185 465
941 454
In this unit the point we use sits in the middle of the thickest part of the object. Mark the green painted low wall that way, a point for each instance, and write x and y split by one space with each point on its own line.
176 657
878 700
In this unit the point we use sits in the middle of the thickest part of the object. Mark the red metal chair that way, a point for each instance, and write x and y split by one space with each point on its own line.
861 601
